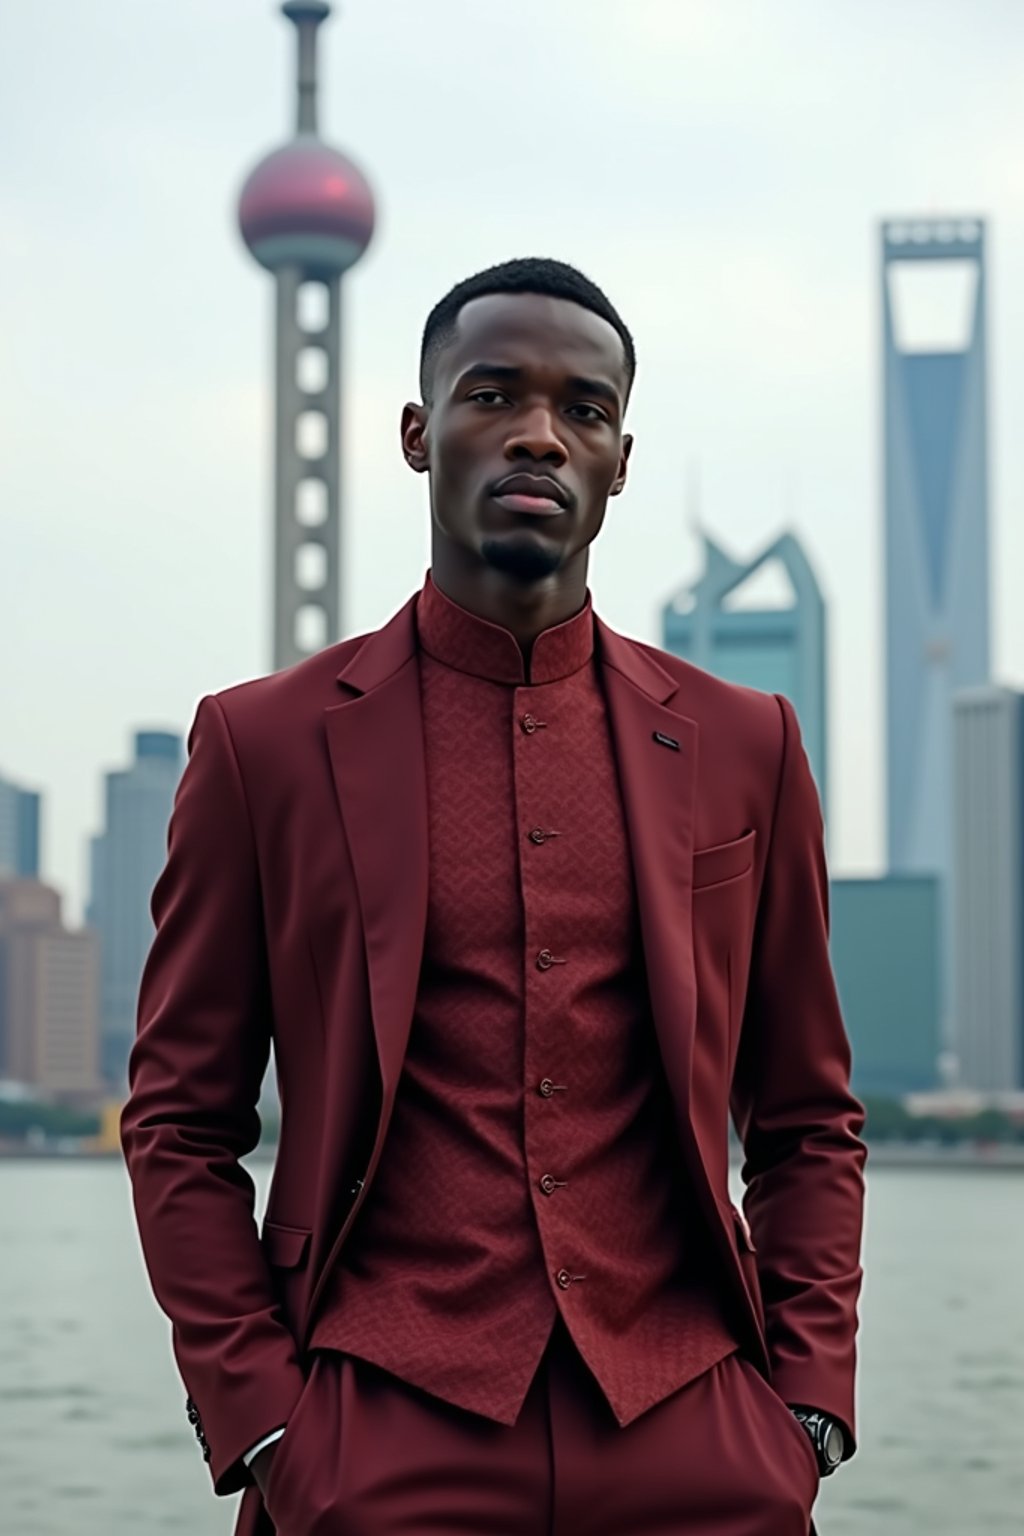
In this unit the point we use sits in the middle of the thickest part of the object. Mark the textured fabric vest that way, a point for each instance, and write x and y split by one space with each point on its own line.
531 1165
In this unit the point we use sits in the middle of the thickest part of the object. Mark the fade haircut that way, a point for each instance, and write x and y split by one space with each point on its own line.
525 274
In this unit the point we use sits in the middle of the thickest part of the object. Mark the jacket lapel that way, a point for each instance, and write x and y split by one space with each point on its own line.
658 783
375 740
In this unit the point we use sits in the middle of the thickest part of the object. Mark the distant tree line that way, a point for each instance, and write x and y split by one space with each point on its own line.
887 1120
23 1119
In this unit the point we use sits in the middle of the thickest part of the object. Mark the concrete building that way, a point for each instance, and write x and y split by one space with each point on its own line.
306 213
19 831
762 623
936 527
49 996
988 889
125 860
885 954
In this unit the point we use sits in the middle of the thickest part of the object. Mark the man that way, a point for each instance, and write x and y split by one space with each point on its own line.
525 908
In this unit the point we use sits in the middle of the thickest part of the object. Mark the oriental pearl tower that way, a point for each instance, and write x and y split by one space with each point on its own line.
306 214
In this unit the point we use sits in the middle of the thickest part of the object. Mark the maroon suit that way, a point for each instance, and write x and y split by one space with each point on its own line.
548 1029
502 1199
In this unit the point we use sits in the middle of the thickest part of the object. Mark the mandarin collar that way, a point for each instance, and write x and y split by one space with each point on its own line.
462 640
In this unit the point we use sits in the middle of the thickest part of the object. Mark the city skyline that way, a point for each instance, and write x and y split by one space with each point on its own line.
739 245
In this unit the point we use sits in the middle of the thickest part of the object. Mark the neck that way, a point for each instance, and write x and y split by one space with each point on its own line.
525 609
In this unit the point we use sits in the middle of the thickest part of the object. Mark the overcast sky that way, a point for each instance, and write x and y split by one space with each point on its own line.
718 167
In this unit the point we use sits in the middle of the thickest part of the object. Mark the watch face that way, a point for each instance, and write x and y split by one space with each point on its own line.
833 1446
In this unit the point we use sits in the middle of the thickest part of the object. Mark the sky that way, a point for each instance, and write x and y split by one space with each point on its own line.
719 167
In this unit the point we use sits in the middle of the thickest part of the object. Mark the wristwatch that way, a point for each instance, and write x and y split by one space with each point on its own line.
826 1437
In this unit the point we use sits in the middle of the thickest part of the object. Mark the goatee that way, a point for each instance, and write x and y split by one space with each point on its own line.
522 559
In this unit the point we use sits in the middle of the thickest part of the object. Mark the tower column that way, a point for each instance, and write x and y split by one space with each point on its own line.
306 213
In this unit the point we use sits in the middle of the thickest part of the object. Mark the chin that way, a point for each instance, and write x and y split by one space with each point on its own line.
523 559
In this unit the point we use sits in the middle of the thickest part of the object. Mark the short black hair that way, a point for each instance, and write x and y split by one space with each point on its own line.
525 274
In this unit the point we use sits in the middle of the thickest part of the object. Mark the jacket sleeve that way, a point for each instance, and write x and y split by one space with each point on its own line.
799 1123
194 1075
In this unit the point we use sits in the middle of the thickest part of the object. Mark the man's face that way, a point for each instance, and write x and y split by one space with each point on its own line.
523 439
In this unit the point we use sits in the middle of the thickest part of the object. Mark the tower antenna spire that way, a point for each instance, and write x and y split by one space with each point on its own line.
306 16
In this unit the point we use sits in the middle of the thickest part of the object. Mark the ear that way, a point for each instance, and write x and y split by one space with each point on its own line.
414 437
620 478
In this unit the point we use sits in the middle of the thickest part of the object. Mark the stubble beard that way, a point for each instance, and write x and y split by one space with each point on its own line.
522 559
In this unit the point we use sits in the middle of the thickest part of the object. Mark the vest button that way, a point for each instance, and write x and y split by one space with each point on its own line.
563 1279
545 960
538 835
528 724
548 1183
545 1087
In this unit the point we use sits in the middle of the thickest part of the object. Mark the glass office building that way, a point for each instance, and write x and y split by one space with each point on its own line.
125 860
885 954
19 831
778 646
936 528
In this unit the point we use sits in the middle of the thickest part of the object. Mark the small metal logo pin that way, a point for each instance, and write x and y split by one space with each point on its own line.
666 741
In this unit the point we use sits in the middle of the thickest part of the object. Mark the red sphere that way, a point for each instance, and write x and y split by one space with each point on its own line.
306 205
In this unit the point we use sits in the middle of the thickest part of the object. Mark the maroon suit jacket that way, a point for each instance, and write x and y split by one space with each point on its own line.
292 908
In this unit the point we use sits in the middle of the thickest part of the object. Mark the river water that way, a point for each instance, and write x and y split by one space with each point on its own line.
94 1440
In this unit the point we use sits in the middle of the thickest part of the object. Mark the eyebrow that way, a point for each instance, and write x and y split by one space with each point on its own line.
578 384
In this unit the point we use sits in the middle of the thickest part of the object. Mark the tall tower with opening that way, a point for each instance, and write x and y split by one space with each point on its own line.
936 526
306 213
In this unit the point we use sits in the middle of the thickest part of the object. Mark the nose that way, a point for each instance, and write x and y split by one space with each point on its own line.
533 436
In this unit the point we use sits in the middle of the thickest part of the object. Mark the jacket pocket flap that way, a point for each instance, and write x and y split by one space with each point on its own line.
712 866
285 1247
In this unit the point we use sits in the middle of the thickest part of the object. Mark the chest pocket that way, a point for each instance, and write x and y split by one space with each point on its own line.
724 862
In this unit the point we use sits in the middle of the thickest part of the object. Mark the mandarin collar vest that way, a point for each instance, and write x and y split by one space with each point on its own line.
462 640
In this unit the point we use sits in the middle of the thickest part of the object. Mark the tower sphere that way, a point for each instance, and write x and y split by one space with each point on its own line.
306 205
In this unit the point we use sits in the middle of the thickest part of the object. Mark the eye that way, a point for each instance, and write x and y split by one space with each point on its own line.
592 412
489 397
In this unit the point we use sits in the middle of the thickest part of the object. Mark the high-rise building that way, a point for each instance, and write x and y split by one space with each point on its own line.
759 622
885 954
306 213
49 995
125 860
988 888
19 830
936 527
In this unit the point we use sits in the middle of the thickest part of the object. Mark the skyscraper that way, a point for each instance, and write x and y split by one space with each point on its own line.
49 1029
126 858
988 888
885 954
306 213
779 647
19 830
936 525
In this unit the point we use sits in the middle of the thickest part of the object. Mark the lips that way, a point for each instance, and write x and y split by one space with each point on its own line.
538 494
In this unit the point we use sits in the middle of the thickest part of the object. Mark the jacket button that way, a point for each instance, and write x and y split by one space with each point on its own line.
563 1279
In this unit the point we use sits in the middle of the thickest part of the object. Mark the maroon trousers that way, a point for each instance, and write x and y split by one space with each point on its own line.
366 1455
